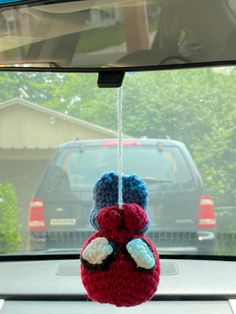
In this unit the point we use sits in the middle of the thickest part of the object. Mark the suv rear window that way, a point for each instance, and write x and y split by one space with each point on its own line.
82 167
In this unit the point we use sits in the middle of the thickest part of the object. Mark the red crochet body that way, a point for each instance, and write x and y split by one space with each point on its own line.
122 284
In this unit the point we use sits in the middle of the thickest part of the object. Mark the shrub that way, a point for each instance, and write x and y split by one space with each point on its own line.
10 236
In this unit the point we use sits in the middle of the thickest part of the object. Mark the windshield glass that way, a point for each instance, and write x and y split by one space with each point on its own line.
166 165
58 135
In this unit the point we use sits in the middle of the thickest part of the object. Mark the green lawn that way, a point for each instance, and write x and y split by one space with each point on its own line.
101 38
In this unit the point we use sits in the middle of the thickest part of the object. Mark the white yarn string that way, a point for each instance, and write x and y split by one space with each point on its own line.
120 147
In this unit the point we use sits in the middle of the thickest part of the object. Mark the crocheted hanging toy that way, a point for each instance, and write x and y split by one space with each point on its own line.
119 264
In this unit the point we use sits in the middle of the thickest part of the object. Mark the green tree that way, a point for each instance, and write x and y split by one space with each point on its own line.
9 228
197 107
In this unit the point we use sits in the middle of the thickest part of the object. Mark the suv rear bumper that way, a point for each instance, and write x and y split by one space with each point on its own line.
200 242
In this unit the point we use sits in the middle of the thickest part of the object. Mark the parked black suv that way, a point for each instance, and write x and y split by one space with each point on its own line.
182 215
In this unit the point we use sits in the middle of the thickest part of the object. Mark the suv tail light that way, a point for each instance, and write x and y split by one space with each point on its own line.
207 213
37 215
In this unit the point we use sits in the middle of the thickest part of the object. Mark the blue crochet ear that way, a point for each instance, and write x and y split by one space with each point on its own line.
105 194
135 191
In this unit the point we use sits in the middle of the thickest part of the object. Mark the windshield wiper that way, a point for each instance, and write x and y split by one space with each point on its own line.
155 180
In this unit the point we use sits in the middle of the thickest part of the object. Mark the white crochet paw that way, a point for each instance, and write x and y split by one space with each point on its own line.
97 251
141 253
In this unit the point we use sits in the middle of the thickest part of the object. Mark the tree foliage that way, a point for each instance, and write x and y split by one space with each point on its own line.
10 233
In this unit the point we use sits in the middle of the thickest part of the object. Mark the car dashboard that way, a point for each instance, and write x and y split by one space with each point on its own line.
55 286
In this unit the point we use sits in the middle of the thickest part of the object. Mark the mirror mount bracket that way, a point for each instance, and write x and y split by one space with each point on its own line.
110 79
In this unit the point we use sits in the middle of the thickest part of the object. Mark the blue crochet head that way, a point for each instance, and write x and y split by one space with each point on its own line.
105 194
